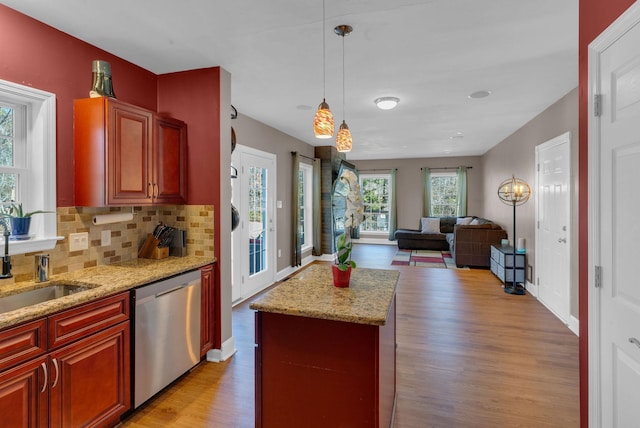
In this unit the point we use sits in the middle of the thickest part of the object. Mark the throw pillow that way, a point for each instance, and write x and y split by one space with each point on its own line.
464 220
475 222
430 225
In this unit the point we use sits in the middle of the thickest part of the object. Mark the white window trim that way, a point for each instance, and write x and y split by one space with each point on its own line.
308 208
41 148
443 174
374 233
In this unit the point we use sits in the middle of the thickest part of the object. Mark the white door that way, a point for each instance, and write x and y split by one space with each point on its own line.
254 192
553 211
614 242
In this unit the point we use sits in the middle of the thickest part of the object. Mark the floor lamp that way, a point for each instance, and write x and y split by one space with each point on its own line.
514 191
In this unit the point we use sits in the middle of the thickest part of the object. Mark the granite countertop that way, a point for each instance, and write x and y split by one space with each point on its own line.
311 293
102 281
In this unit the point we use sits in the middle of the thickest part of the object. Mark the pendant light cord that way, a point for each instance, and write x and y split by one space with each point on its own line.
344 112
324 67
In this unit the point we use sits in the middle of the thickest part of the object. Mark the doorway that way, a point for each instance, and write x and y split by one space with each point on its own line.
614 156
253 242
553 231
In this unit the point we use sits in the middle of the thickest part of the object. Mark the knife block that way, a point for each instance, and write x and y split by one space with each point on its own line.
150 250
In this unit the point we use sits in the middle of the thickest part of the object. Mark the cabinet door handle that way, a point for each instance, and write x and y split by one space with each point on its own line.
561 240
44 384
634 341
55 382
155 190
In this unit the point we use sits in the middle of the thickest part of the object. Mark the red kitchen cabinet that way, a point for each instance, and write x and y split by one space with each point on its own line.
127 155
208 310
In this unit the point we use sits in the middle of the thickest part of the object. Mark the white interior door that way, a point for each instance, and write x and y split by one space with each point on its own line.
614 151
553 211
254 193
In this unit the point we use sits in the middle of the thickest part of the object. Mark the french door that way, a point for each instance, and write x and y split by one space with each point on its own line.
253 241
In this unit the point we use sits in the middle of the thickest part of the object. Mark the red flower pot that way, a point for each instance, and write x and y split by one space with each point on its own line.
341 277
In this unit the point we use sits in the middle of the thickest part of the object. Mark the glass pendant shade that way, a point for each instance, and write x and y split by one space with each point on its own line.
344 141
323 121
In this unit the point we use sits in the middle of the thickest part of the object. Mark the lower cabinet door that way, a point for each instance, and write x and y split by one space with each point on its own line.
90 380
24 395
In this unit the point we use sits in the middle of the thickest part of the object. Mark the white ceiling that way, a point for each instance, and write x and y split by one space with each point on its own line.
429 53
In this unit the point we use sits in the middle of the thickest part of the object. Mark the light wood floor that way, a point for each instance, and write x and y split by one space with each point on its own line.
469 355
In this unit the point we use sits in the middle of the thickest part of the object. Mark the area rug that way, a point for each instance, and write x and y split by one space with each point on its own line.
425 258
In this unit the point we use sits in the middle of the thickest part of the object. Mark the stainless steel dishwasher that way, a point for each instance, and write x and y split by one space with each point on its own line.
167 333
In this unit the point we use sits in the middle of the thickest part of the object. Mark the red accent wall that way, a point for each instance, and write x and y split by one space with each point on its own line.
194 97
594 17
37 55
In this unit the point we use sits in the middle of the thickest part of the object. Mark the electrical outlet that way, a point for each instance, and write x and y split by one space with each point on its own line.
279 252
78 241
105 238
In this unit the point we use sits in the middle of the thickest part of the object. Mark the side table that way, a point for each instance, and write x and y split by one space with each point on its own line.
502 264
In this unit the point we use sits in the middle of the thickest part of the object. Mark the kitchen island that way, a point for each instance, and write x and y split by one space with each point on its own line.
326 356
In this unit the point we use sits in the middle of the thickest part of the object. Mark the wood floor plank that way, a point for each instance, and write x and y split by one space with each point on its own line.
469 355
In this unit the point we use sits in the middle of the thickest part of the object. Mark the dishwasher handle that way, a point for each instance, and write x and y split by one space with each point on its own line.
171 290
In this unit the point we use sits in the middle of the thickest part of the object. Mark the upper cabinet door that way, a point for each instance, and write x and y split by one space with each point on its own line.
170 161
129 145
126 155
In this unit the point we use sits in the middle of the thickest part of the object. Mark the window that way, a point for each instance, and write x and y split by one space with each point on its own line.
28 160
376 195
444 194
305 200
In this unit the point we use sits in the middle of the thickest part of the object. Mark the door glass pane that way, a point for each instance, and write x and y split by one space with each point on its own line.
257 219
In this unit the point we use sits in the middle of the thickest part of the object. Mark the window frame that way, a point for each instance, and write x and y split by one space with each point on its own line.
387 177
443 174
307 171
38 184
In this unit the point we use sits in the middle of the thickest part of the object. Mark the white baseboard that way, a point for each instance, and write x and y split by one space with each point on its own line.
377 241
227 351
532 289
574 325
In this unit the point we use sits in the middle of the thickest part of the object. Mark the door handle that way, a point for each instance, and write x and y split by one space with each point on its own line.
44 384
55 364
561 240
634 341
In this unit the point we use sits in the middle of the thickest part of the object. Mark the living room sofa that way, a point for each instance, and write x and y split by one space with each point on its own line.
469 244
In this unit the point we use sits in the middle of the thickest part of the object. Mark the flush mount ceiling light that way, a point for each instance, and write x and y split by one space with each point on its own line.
323 120
386 103
479 94
344 142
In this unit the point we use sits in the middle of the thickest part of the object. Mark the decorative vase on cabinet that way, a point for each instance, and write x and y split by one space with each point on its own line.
127 155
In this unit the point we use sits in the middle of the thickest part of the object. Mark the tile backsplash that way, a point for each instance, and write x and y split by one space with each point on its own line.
126 237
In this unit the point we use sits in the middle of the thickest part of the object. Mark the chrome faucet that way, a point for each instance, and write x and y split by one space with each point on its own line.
6 259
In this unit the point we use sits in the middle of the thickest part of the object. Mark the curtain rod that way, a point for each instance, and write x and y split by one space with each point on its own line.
449 167
302 156
377 169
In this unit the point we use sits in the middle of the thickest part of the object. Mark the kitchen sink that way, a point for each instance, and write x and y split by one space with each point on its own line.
33 297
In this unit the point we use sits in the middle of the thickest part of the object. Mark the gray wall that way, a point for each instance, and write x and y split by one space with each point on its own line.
516 156
409 189
257 135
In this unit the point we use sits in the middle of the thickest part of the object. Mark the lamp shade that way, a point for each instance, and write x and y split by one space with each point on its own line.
323 121
344 141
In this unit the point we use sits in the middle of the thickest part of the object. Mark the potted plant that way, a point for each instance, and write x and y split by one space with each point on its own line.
354 214
342 268
20 221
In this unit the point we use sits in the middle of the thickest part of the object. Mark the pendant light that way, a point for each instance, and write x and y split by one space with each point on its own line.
344 141
323 121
